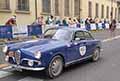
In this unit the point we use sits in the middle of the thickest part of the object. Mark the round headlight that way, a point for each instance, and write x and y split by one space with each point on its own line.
30 63
37 54
5 48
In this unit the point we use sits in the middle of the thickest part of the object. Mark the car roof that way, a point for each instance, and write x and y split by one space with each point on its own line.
74 29
68 28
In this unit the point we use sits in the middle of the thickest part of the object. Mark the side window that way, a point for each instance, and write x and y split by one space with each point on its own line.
79 35
88 36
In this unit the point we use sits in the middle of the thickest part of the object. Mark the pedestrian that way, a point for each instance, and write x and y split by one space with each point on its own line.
112 27
11 21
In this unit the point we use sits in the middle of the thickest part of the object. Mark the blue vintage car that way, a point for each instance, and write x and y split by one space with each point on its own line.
58 48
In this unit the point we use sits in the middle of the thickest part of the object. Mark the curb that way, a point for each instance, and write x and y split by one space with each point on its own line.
3 65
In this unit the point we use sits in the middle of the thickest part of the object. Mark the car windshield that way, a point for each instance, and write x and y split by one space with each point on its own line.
59 34
49 33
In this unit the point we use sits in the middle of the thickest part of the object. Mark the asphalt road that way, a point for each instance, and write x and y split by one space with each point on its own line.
106 69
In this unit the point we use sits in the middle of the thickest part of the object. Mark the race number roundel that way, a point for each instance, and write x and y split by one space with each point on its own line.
82 50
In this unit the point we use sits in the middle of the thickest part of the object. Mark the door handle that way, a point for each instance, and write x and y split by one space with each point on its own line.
75 43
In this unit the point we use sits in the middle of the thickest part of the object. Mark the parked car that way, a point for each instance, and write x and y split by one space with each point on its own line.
58 48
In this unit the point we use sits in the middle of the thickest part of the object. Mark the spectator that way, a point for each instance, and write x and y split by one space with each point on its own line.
57 21
11 21
78 19
50 20
47 21
91 20
87 24
75 23
39 21
70 23
64 22
105 21
96 20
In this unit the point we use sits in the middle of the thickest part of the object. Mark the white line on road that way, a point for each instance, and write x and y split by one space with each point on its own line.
30 79
110 39
4 74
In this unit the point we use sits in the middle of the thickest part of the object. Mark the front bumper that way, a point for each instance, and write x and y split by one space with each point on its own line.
18 67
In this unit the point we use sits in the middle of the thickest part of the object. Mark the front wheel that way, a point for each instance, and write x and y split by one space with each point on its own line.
55 67
96 55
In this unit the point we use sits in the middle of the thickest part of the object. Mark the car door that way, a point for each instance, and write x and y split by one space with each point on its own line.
71 52
89 42
81 45
73 47
84 44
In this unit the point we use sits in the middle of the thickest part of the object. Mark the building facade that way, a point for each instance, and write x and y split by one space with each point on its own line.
119 11
28 10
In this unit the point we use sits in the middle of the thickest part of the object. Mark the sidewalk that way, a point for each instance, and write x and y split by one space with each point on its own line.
3 65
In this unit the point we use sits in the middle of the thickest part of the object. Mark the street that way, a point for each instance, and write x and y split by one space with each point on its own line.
106 69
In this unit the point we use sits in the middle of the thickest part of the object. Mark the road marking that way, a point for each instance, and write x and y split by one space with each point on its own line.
110 39
30 79
4 74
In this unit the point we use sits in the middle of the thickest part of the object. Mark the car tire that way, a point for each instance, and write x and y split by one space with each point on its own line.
96 55
55 67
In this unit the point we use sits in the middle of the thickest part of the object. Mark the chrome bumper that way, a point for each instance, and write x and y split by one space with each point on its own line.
17 67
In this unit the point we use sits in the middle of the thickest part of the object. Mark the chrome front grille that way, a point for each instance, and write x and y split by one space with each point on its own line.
17 57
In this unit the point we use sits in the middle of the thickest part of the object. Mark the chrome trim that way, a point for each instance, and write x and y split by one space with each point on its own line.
28 68
78 60
25 59
17 56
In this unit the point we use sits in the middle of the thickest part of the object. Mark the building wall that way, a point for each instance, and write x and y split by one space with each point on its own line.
119 14
119 11
84 6
29 17
22 17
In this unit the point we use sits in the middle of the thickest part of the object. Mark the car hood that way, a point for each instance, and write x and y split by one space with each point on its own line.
37 45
